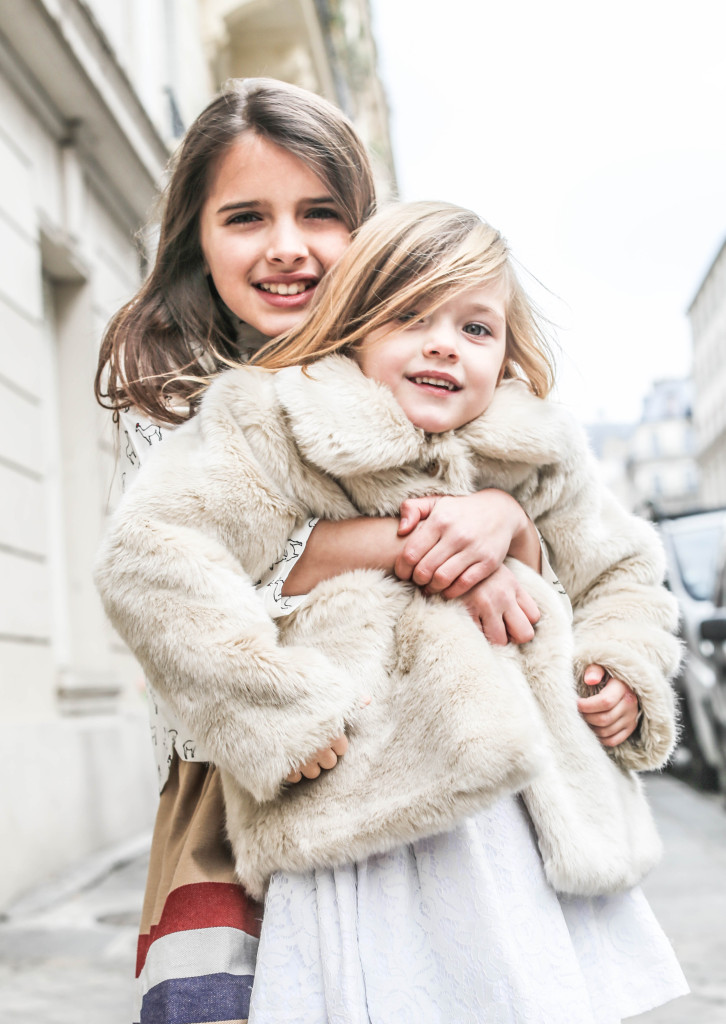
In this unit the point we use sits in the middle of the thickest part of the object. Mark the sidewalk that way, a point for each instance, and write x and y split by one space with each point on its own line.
67 951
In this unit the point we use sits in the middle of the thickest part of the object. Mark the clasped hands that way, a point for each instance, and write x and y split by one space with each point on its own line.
455 547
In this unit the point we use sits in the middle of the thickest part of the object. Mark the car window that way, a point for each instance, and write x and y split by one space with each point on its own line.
696 552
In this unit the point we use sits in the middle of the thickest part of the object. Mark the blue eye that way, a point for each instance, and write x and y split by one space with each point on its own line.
477 330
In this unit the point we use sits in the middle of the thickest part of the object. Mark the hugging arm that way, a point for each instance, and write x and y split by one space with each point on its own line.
449 545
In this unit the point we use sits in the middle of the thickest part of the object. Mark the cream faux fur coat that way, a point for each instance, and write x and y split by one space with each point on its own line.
454 723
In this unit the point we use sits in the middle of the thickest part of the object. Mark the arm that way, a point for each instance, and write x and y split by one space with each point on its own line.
446 543
337 547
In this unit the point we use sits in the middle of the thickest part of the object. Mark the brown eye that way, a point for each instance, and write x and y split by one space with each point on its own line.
324 213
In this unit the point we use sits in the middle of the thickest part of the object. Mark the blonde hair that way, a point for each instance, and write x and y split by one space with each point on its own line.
164 346
414 257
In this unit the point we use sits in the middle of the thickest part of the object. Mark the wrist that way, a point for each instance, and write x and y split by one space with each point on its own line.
337 547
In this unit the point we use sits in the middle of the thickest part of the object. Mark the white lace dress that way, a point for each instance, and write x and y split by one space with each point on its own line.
459 928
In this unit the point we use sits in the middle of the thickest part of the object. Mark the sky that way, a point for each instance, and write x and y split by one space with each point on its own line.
593 137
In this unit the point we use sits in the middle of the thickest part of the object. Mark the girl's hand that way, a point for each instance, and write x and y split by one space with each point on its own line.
325 758
502 609
613 712
455 542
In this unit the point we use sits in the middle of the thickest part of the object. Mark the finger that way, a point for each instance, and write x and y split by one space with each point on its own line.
311 769
327 758
443 563
418 545
606 723
466 581
494 630
618 738
528 605
519 628
412 511
340 745
610 695
623 716
444 573
294 777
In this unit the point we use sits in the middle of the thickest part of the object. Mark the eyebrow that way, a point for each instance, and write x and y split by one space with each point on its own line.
255 204
479 308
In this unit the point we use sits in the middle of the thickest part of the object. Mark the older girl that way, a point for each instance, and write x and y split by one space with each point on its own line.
472 856
264 192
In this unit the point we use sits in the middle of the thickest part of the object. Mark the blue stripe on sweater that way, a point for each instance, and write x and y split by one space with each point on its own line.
202 1000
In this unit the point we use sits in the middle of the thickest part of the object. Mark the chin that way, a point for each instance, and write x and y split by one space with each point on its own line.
271 326
432 425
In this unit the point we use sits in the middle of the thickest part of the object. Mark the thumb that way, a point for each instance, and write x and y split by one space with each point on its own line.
593 675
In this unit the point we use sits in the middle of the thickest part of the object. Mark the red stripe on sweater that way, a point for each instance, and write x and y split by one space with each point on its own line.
202 905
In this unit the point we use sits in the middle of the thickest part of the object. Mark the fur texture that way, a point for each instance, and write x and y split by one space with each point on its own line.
454 723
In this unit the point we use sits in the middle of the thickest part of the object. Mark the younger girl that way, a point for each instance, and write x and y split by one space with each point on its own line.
267 185
422 370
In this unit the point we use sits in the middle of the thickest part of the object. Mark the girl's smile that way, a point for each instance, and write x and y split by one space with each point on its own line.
442 368
287 291
269 231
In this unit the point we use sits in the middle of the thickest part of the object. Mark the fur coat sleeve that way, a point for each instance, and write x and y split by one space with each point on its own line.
609 561
176 572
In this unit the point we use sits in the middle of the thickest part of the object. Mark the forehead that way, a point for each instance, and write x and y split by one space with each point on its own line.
256 165
491 296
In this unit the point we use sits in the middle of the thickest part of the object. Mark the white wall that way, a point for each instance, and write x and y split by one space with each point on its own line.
157 43
75 732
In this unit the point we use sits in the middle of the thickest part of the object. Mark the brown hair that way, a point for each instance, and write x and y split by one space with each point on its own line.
162 348
413 257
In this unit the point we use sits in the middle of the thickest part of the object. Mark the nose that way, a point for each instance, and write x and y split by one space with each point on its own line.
441 342
287 244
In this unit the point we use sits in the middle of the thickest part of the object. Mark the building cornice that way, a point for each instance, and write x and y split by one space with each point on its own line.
62 64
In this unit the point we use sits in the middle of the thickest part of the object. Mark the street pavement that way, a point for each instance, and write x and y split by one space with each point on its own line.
688 894
67 950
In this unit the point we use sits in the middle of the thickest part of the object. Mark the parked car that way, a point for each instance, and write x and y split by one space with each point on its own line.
693 543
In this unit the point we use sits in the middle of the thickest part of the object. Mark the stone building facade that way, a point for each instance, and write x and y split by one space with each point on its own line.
707 316
94 96
661 464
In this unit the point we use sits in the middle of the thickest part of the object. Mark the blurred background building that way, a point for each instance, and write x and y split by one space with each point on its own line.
94 95
651 465
673 460
707 315
661 465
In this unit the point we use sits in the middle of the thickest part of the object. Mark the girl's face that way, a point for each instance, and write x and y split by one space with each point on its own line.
269 230
442 368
